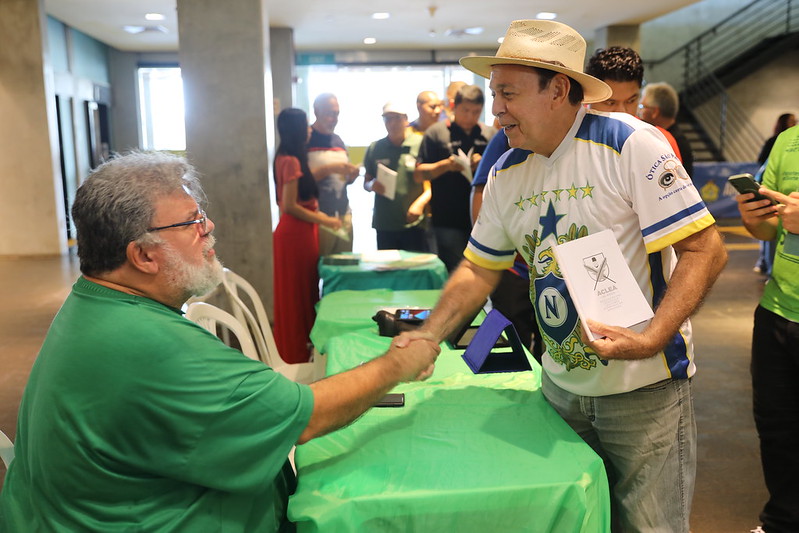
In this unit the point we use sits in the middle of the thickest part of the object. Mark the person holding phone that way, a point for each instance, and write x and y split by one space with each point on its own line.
296 239
775 338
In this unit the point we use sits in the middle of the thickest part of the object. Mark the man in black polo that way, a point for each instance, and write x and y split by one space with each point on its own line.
450 181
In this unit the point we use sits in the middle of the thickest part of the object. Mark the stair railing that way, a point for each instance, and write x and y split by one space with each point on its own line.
702 91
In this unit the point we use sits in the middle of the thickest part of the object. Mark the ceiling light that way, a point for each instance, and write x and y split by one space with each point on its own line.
546 15
369 40
381 16
154 16
145 29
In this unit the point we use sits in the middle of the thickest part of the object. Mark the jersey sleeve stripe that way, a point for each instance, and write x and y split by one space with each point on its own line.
491 251
486 262
676 236
697 207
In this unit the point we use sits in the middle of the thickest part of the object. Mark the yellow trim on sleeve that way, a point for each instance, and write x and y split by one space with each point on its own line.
485 263
676 236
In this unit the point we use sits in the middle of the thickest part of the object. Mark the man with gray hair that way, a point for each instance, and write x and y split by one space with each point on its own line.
326 151
659 106
135 418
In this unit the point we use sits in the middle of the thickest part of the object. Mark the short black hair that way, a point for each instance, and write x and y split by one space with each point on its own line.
470 93
616 63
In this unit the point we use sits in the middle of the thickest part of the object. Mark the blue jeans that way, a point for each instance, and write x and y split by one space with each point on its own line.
647 438
451 243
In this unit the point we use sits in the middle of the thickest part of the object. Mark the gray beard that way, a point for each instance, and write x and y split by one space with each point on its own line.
194 280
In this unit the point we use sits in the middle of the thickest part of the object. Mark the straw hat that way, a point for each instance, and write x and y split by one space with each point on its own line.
544 44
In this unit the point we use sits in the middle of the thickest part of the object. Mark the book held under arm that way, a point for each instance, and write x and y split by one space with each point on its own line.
601 284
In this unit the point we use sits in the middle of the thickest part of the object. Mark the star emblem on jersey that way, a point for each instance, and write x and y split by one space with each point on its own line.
573 191
549 222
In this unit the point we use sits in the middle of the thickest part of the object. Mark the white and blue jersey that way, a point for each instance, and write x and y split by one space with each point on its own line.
611 171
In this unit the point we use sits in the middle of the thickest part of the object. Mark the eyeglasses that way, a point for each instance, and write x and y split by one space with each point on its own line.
642 106
203 221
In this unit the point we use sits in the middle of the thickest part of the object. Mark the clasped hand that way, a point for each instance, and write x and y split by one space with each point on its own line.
409 340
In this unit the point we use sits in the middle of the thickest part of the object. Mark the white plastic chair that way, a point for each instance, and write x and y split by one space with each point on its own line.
211 318
255 316
6 449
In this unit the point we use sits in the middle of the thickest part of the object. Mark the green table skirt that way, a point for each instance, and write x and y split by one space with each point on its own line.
431 274
466 453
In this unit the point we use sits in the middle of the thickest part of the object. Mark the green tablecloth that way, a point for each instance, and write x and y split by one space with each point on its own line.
467 453
430 274
345 311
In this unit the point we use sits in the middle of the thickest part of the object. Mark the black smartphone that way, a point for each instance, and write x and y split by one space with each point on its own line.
745 183
412 315
392 400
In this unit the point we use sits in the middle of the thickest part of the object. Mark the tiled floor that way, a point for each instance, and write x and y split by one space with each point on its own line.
729 489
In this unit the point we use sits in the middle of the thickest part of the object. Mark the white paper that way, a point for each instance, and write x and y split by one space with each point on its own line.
465 161
600 282
388 178
381 256
341 233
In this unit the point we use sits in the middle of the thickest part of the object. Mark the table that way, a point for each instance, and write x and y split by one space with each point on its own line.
347 311
413 271
466 453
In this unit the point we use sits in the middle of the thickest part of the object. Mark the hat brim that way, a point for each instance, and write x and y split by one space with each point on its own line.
594 90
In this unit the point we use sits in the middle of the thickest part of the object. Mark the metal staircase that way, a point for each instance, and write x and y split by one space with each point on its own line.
722 55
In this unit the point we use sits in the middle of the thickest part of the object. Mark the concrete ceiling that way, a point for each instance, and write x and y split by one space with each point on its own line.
413 24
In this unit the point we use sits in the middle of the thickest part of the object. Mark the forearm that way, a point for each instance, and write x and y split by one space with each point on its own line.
699 264
467 290
321 172
430 171
340 399
302 213
421 202
762 229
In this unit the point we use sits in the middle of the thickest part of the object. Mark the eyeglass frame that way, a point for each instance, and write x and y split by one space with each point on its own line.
202 220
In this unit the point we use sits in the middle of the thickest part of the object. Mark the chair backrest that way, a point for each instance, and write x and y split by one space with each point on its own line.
6 449
211 318
254 315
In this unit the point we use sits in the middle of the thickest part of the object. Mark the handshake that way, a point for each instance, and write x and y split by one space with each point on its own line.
414 353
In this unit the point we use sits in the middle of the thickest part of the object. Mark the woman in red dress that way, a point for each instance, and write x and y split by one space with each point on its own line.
296 239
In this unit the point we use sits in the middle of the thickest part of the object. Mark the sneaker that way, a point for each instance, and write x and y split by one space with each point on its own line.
758 529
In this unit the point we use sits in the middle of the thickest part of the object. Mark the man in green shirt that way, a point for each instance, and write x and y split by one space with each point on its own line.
396 151
135 418
775 338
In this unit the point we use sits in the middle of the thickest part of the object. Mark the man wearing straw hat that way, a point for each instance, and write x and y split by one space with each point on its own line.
572 172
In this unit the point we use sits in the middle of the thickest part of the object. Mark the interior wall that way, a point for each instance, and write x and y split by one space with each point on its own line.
762 101
665 34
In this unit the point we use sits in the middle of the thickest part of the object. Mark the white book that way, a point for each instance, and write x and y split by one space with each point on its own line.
388 178
601 284
465 161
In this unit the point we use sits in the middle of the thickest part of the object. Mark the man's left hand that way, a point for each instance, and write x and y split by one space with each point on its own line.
475 161
619 343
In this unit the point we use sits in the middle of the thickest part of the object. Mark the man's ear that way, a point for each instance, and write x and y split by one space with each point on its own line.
141 257
560 85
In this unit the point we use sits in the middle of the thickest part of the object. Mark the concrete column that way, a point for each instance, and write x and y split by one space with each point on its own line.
281 52
224 59
618 35
32 219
